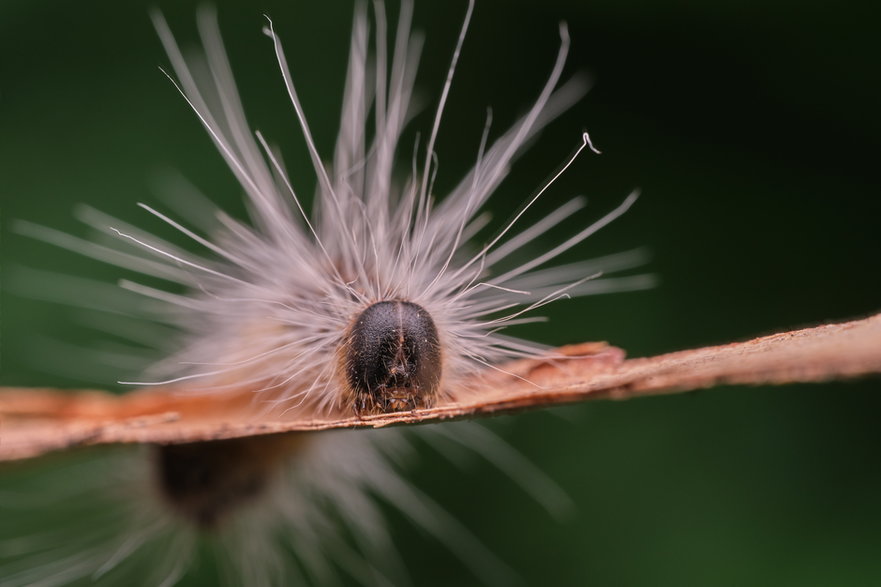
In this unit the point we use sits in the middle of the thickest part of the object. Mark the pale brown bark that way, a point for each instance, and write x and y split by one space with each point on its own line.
36 421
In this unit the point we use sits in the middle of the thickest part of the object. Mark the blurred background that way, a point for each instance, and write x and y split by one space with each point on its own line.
752 129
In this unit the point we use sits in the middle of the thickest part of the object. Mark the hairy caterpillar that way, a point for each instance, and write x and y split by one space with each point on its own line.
376 301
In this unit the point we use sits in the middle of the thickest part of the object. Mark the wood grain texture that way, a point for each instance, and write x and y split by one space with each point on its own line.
36 421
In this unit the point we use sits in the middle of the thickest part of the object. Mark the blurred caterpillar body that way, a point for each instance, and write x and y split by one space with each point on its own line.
379 300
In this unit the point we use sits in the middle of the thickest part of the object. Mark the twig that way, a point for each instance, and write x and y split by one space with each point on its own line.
37 421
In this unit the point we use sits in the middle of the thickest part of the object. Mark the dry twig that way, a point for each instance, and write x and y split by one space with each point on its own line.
38 421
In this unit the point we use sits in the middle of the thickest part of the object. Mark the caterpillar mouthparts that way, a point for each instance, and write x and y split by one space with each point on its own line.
391 359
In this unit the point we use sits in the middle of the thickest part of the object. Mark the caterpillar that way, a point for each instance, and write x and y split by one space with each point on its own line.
382 297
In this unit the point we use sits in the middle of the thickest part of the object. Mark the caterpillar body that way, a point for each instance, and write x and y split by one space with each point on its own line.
380 299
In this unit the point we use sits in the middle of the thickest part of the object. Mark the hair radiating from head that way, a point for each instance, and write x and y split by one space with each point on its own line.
303 282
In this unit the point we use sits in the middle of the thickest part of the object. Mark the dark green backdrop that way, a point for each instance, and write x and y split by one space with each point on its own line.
752 129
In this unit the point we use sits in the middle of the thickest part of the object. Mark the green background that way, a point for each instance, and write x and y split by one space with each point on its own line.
752 130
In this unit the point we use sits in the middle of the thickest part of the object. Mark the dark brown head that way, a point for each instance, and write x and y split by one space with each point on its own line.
391 359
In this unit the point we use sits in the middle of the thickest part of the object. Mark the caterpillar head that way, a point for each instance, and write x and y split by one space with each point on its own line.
390 359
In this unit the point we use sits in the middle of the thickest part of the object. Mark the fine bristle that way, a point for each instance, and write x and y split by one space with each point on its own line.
274 296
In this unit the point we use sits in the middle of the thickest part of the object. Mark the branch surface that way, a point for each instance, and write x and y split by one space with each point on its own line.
36 421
